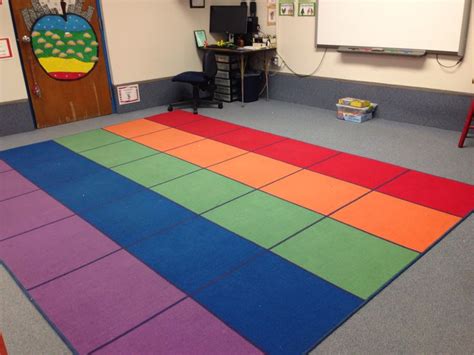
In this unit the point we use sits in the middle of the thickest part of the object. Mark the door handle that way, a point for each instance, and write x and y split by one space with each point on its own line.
26 39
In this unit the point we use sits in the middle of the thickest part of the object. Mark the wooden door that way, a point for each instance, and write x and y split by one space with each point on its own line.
63 59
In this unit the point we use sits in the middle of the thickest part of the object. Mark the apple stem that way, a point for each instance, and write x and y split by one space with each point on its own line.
63 7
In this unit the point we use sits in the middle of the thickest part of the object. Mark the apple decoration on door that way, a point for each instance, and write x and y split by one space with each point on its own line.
65 45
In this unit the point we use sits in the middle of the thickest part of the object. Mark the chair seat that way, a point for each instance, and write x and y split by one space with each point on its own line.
192 77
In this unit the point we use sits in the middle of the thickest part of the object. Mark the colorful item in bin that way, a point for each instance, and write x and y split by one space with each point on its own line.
350 101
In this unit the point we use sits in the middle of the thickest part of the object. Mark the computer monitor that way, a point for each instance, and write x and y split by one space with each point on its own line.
228 19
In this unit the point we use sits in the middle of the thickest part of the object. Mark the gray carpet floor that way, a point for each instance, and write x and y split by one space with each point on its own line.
428 309
24 329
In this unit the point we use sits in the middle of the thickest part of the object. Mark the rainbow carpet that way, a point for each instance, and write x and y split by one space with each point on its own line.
185 234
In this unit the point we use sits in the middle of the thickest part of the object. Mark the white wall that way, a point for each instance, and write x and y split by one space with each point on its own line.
152 39
296 38
12 84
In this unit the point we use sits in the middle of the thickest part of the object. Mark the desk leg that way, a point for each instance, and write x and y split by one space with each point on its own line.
242 78
267 67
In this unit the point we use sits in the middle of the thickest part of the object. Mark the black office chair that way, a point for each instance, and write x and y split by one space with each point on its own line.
200 81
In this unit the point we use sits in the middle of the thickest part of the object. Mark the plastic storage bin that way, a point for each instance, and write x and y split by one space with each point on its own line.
354 114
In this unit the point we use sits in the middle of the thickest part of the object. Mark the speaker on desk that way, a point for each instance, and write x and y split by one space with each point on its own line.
253 9
252 24
244 4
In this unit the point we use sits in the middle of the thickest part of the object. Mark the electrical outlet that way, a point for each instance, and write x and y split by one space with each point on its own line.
276 60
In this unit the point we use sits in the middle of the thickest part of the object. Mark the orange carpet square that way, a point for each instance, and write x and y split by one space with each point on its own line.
254 169
316 192
206 152
136 128
402 222
167 139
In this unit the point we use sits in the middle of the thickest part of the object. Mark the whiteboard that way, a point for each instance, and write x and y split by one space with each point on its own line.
433 25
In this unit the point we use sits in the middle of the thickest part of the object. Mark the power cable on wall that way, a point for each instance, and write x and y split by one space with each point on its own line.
448 66
302 75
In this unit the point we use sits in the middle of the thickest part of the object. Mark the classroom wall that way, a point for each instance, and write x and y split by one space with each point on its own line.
150 40
296 44
12 84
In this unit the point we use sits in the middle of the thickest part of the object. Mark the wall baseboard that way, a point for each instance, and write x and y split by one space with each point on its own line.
416 106
155 93
16 117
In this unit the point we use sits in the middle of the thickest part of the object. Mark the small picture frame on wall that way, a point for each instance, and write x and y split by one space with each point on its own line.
271 16
197 3
306 9
201 38
5 49
286 9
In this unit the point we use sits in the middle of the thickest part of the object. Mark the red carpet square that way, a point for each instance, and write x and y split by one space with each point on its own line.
175 118
297 153
358 170
209 127
248 138
439 193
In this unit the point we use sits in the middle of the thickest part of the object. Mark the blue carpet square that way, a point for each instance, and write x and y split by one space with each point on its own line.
34 154
193 253
138 216
92 191
53 172
278 306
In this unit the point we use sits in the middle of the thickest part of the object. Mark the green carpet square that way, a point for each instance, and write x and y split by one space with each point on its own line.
261 218
349 258
155 169
202 190
88 140
119 153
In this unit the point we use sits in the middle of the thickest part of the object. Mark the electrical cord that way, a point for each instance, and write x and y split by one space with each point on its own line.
303 75
449 66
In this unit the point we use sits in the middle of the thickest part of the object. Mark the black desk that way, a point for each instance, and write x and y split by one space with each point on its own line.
243 53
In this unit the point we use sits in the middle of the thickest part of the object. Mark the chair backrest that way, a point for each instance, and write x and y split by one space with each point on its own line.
209 65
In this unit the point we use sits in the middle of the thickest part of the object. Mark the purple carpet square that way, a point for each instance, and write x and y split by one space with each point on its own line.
186 328
12 184
50 251
4 166
27 212
101 301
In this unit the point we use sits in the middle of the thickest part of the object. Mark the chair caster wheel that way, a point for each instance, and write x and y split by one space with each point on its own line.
170 108
195 111
220 105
